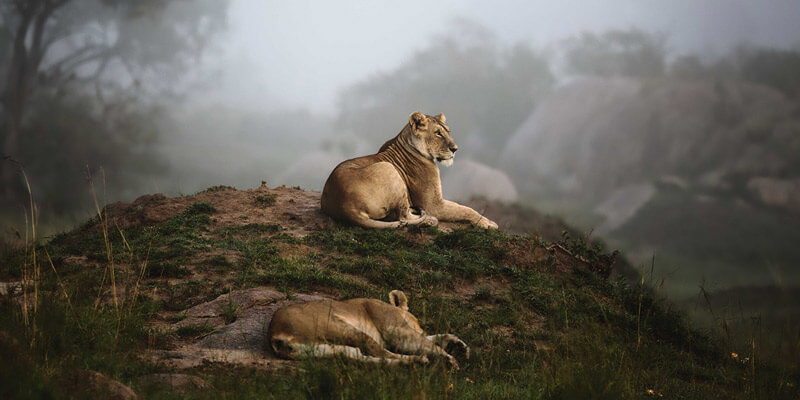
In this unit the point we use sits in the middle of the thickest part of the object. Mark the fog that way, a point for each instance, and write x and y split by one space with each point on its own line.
669 129
303 53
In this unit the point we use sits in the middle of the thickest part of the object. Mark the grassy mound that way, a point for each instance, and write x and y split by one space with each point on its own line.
542 319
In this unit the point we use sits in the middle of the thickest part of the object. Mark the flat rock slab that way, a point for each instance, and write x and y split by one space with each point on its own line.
240 342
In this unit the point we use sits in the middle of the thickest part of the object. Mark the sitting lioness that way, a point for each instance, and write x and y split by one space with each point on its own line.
362 329
380 190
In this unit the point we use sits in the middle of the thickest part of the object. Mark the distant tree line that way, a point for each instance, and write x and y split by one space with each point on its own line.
488 90
485 90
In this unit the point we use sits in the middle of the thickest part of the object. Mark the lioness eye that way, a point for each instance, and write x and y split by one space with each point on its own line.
439 133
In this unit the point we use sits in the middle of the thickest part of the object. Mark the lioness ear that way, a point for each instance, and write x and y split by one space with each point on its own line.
441 118
398 299
418 120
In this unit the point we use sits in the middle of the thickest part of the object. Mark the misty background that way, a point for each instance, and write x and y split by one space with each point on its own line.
669 129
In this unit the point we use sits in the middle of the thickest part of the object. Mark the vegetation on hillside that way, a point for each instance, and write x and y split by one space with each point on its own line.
541 318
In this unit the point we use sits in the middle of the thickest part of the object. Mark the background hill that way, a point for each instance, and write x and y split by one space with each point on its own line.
172 296
701 173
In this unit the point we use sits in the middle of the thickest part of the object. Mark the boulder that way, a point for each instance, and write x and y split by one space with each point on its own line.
593 136
241 341
468 178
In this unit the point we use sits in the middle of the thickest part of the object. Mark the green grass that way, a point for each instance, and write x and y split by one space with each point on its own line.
63 339
265 200
723 240
216 188
535 332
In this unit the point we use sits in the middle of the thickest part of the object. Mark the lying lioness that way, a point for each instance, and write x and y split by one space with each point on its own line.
361 329
380 190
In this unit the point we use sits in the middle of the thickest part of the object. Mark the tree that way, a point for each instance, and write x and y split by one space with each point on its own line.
93 46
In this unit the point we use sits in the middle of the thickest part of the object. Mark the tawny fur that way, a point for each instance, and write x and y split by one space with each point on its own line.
382 189
367 330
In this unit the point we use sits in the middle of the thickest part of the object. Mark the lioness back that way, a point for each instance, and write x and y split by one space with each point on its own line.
296 316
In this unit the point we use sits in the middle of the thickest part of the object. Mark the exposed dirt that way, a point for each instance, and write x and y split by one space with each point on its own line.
298 211
294 209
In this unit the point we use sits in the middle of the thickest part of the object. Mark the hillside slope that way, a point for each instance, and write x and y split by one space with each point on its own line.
172 296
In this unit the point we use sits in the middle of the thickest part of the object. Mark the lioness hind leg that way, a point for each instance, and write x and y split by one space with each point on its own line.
348 336
421 345
404 358
353 353
364 220
409 218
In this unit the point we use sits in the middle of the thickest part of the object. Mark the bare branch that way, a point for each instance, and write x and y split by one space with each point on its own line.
72 57
58 32
107 52
98 72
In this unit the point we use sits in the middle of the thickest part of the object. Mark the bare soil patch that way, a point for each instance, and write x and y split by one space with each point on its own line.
296 210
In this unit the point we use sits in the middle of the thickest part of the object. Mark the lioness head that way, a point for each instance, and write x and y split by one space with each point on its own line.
432 137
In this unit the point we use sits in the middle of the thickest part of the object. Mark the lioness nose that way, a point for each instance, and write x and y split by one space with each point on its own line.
453 148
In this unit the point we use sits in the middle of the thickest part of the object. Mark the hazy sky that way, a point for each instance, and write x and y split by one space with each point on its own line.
300 53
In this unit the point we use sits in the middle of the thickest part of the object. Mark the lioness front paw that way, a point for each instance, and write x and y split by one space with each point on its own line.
486 223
